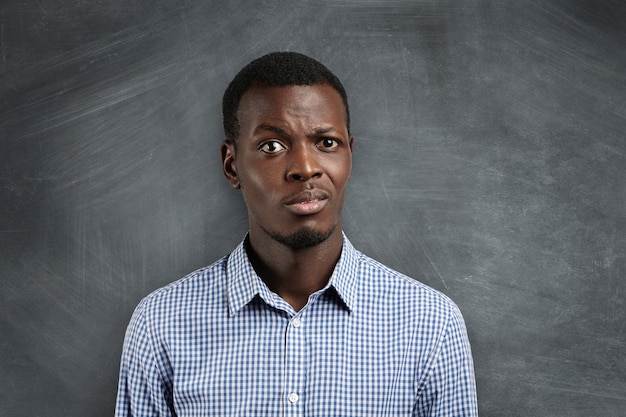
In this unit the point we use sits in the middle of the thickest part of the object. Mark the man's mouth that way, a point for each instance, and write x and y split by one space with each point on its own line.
307 202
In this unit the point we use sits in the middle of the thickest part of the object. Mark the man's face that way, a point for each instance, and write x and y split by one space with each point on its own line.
293 160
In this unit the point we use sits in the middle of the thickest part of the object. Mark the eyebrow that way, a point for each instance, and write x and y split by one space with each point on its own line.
321 131
271 128
281 131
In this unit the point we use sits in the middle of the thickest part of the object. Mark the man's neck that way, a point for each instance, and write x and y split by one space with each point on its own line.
294 274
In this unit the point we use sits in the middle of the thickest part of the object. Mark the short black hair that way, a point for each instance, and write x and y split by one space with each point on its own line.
276 69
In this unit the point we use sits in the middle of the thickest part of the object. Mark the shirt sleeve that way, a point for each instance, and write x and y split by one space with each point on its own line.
143 388
451 388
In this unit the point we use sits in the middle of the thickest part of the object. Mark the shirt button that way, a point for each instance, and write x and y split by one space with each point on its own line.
296 322
293 398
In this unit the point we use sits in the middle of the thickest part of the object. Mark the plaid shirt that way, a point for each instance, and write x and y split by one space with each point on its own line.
373 342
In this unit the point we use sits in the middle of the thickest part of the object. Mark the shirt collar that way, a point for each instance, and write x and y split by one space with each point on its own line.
244 284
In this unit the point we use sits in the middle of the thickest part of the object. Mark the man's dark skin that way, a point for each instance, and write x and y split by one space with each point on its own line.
292 161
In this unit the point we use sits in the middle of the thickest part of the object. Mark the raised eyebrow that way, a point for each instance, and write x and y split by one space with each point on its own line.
271 128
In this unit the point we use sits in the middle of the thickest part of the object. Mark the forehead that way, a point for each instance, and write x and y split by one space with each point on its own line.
317 101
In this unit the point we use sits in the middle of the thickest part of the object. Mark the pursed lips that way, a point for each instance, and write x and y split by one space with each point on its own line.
307 202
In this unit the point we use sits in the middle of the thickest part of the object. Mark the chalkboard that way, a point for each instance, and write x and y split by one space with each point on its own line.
489 163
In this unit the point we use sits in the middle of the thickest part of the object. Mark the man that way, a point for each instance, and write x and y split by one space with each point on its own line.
294 321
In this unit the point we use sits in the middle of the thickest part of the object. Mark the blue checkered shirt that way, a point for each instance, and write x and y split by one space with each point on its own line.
373 342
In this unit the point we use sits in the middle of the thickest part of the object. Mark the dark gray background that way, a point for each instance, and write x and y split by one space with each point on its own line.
489 163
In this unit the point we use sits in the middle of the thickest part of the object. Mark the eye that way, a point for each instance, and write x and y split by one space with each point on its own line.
328 143
272 146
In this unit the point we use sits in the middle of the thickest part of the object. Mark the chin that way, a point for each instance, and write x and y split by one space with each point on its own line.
306 237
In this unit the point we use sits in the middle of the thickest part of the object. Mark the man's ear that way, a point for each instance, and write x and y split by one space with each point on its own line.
351 150
229 164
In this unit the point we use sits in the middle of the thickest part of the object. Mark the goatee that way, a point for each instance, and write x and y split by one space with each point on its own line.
304 238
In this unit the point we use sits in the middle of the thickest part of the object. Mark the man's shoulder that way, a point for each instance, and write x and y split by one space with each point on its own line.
198 285
388 285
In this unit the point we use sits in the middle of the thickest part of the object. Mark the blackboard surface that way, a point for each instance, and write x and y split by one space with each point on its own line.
490 163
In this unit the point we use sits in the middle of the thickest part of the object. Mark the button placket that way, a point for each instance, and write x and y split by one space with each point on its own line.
295 363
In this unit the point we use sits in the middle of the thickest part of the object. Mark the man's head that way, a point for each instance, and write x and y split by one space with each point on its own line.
276 69
289 150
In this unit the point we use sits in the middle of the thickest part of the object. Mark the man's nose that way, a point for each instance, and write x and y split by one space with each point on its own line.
303 163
